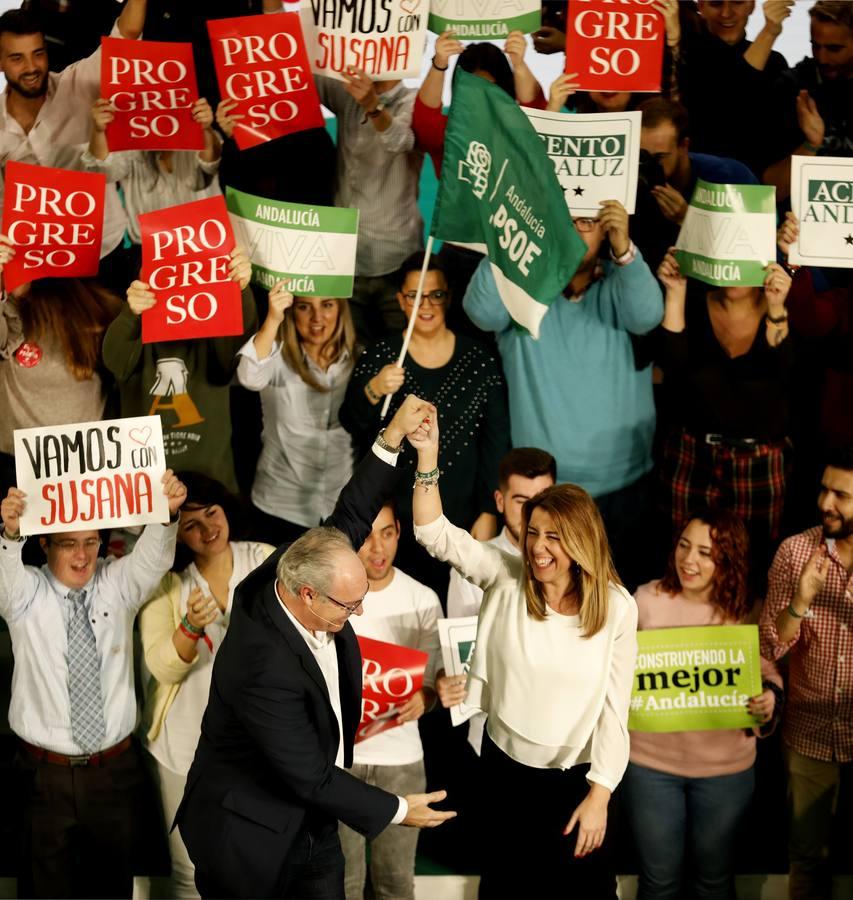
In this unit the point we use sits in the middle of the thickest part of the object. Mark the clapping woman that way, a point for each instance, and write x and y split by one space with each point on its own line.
181 628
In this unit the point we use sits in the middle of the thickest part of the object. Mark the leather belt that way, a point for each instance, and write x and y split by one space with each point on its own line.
743 443
93 759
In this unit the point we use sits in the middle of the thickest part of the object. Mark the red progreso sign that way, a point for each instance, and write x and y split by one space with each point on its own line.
186 253
261 62
615 49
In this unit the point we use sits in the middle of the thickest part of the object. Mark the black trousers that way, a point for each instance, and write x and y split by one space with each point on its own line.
87 830
525 851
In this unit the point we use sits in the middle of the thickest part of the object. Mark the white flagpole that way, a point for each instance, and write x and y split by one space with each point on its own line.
417 305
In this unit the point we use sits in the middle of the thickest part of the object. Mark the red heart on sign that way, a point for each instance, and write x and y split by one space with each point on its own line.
140 435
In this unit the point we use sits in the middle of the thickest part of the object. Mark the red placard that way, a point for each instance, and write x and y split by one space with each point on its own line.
55 219
153 87
390 675
615 47
261 62
186 252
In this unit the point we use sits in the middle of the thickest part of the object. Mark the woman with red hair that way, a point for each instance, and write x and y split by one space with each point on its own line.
687 792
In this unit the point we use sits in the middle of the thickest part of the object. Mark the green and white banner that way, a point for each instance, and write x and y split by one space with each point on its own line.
498 194
458 638
822 199
484 20
695 679
596 156
311 247
729 234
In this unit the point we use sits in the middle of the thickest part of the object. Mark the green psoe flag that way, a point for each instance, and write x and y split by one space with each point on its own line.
498 194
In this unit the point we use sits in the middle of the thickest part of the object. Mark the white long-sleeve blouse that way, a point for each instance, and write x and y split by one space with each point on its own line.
554 698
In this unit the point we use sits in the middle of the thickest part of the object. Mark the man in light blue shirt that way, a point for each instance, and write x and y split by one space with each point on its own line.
73 708
577 392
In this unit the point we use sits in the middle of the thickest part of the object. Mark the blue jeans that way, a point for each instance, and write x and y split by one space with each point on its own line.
673 817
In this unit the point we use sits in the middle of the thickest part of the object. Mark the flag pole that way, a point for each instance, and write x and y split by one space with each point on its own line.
417 305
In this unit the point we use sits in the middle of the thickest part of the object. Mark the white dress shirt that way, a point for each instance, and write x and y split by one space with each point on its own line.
61 129
147 191
322 647
307 455
34 605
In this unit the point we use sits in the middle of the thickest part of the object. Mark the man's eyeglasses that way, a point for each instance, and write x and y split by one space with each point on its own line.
428 298
585 225
88 545
349 610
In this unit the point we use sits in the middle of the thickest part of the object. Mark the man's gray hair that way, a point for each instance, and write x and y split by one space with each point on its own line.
312 560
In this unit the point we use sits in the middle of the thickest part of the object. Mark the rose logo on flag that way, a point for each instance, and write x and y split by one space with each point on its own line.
478 164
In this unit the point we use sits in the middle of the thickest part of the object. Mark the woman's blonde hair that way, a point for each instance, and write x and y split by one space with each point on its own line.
578 523
342 341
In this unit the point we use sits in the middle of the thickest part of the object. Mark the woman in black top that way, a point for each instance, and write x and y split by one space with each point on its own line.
727 361
465 383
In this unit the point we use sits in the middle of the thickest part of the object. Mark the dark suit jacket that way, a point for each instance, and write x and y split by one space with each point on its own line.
265 761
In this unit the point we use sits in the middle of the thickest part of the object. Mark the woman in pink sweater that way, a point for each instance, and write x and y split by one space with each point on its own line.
687 792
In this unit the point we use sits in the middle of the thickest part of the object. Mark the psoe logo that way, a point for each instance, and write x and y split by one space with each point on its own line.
475 168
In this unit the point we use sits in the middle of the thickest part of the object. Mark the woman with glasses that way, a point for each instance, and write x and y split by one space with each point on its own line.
553 668
181 628
300 360
463 380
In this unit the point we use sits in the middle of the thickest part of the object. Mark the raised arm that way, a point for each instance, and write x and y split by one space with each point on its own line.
255 369
432 89
374 479
18 583
477 561
132 19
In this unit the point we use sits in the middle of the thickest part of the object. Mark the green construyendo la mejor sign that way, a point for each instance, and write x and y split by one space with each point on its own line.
695 679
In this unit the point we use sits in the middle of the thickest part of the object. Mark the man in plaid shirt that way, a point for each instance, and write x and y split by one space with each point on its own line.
809 614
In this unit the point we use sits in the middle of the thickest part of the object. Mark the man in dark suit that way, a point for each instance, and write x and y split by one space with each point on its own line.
267 786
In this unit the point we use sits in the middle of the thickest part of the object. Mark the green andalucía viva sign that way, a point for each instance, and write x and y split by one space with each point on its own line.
312 248
729 234
695 679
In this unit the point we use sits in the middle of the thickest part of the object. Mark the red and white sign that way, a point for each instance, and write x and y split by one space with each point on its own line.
153 87
186 254
261 62
390 676
55 219
615 46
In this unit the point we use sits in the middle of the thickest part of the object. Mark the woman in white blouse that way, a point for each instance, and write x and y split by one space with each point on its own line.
181 628
553 669
300 360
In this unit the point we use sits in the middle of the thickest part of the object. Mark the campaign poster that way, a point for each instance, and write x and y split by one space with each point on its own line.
385 40
822 199
261 63
695 679
596 156
152 86
484 20
312 248
55 219
186 255
728 237
390 676
615 46
92 475
458 638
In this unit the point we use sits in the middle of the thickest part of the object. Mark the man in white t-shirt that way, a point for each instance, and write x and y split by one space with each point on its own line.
523 473
405 612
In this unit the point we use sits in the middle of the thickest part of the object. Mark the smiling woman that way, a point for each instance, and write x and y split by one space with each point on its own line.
300 360
556 737
181 629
